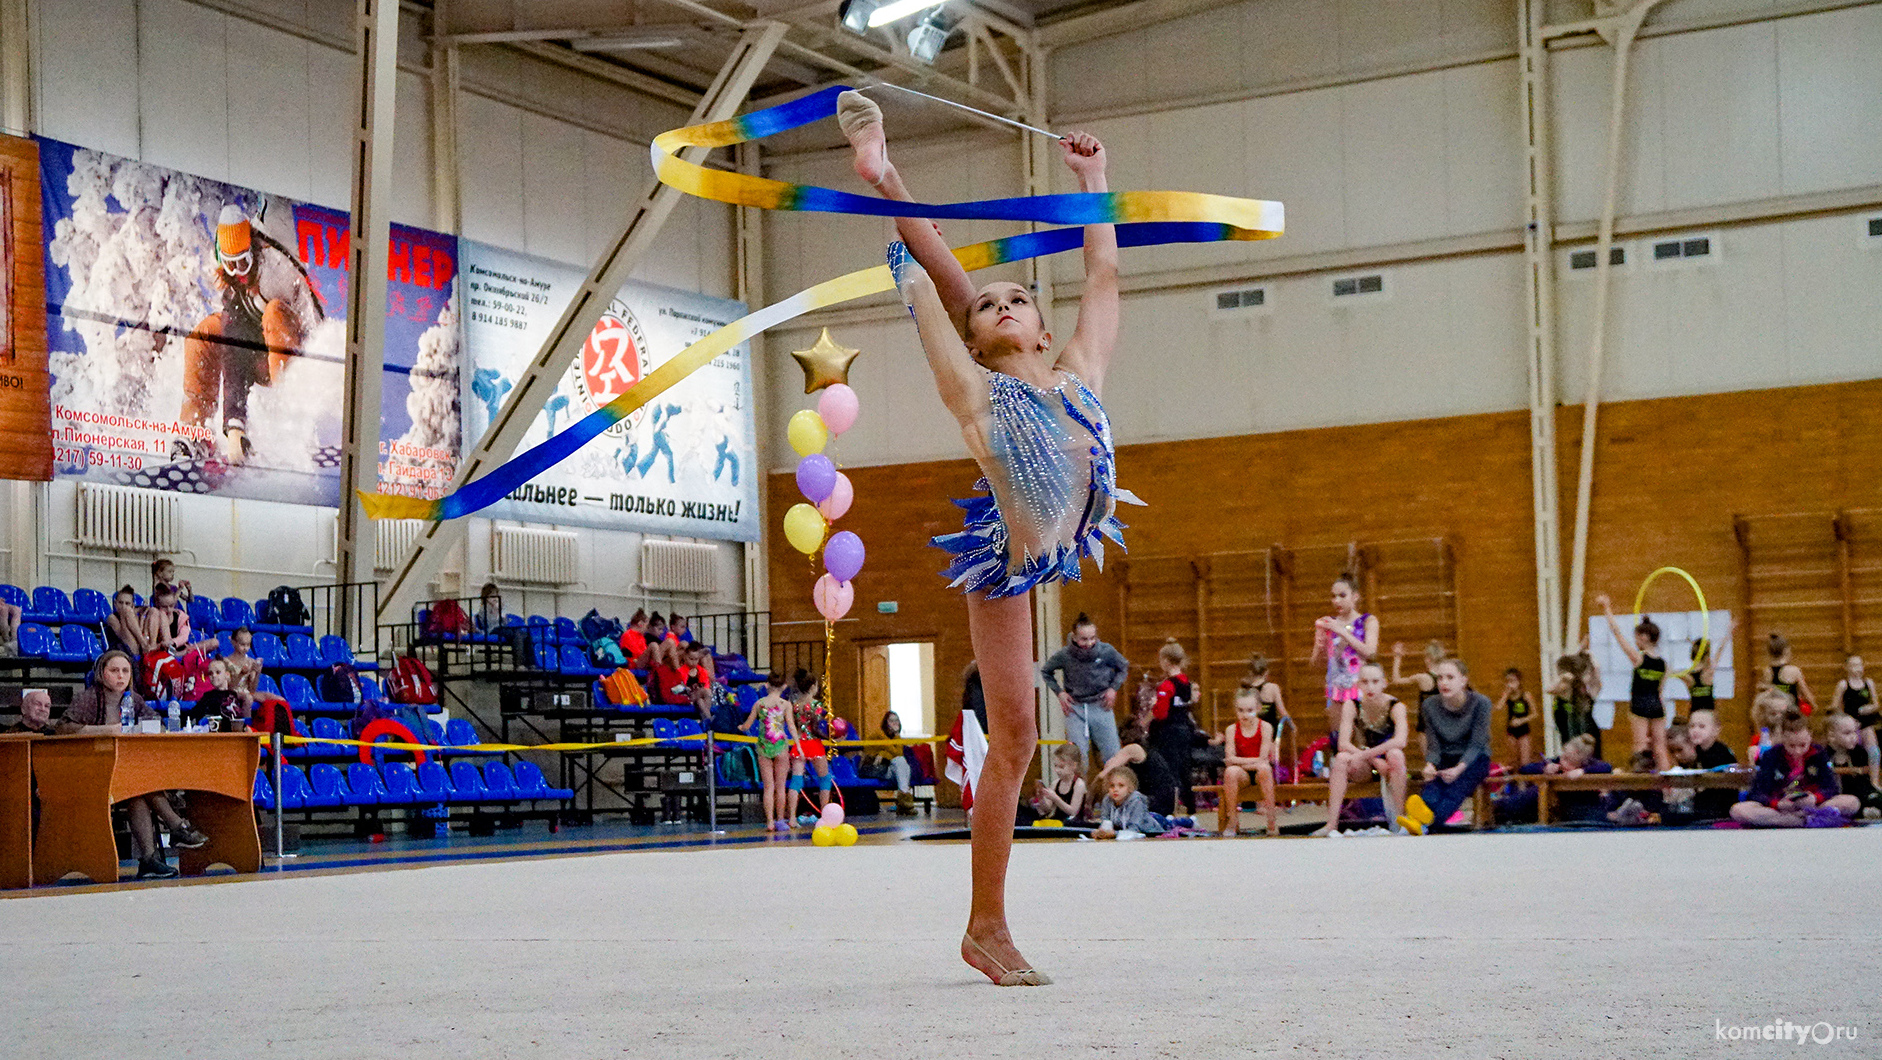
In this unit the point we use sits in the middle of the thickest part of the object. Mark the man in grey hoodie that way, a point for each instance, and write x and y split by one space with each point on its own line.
1086 675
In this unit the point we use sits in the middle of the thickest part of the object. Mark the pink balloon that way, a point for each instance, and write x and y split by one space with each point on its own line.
842 495
838 407
832 815
833 598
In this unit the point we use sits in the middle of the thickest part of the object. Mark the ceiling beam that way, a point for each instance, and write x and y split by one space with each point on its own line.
1123 18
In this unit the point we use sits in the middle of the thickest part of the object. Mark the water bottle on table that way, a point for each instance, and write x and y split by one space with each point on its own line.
174 721
127 713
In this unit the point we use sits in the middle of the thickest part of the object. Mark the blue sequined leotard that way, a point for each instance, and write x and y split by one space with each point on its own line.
1052 487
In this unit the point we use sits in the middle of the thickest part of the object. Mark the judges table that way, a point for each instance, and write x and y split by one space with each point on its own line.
16 811
81 777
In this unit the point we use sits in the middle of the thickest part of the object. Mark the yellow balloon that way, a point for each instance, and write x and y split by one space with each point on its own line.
823 835
804 527
846 835
807 433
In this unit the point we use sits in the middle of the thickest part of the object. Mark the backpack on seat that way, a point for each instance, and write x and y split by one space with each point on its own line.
605 651
623 689
594 627
340 684
447 619
284 607
412 682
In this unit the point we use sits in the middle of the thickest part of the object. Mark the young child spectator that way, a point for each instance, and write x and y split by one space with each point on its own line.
1847 752
1710 752
1705 668
1457 748
1577 759
489 617
1124 808
244 668
1795 785
162 575
1085 675
644 640
1856 695
222 700
1064 798
671 683
124 627
1173 730
1767 713
680 631
776 733
1373 736
1517 711
1248 756
1424 683
1151 775
1787 677
166 624
1577 683
1273 708
96 708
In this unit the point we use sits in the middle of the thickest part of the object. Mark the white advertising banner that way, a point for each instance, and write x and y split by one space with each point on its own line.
684 465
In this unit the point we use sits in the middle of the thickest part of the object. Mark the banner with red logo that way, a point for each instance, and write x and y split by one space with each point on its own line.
684 465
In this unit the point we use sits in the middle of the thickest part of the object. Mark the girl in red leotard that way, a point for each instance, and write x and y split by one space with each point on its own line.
1248 747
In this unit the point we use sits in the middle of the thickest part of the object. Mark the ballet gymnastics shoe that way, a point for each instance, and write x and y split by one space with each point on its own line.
1007 977
861 121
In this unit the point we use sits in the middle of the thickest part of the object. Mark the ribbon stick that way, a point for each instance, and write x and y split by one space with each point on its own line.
1143 218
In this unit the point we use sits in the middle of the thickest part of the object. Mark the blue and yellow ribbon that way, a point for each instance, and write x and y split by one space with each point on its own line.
1143 218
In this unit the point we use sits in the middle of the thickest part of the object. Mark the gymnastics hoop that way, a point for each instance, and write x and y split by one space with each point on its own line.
1641 596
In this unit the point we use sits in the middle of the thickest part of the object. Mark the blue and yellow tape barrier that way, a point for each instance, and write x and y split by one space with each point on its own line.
1143 218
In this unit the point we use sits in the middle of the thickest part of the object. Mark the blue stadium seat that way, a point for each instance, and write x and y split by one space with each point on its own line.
530 783
73 646
368 788
547 658
49 606
433 783
434 733
261 608
567 632
499 785
687 727
299 750
270 650
843 771
236 613
295 794
202 612
299 692
664 730
401 783
330 784
265 683
302 655
88 606
16 596
575 661
264 791
225 644
329 729
460 733
36 640
512 620
369 690
335 649
539 620
467 783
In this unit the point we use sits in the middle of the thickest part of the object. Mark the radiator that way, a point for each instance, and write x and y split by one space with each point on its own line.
679 567
520 554
121 517
393 538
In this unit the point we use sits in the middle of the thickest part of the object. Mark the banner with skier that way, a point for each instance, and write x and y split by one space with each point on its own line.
197 337
684 465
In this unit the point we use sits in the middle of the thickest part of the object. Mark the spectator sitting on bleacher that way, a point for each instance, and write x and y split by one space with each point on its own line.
1577 758
124 627
1796 785
163 575
679 631
489 617
35 715
672 683
223 700
645 644
244 668
893 764
1457 748
166 624
96 709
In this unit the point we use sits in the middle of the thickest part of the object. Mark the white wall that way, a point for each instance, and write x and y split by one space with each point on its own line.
549 163
1722 117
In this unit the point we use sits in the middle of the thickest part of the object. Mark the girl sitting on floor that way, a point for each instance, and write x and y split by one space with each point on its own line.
1064 798
1124 808
1796 785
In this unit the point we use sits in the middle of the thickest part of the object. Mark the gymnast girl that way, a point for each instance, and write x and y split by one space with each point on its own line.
1248 757
777 733
1705 665
1577 683
1425 684
1030 415
1348 639
1787 677
1645 699
807 748
1856 694
1373 735
1273 706
1518 712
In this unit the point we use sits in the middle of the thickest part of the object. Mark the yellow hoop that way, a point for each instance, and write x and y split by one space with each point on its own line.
1641 597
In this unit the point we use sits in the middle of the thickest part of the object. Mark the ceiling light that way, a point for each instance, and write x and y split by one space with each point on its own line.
895 10
854 15
929 36
626 42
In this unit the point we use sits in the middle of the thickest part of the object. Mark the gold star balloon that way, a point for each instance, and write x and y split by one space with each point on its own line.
825 364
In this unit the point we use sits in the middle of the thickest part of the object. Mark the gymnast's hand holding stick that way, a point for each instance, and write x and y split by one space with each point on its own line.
1037 429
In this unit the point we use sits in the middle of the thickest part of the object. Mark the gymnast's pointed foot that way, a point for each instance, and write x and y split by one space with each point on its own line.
993 956
861 121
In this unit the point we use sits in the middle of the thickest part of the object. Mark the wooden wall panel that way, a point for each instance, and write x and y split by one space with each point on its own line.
25 412
1672 475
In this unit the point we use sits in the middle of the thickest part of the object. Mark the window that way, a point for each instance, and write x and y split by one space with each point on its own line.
898 677
1585 259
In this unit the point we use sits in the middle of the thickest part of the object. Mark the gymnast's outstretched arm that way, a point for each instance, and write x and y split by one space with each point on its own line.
1088 354
956 376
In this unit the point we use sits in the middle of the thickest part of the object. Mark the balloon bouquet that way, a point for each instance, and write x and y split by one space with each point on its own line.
828 495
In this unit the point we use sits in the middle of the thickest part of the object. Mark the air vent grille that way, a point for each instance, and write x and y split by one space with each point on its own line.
1687 248
1585 259
1238 301
1358 285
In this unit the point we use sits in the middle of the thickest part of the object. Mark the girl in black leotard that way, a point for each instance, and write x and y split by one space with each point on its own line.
1705 663
1786 676
1064 798
1856 694
1645 699
1518 711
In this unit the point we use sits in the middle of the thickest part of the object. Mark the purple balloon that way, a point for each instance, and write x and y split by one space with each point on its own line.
816 477
843 555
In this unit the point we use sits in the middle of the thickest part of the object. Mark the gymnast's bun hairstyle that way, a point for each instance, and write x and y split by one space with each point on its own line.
1777 645
1350 580
1172 652
1649 629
